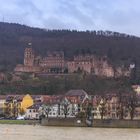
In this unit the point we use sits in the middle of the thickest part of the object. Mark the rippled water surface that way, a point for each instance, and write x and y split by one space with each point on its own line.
30 132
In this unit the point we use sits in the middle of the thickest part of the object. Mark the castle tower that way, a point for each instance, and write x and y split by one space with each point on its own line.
29 56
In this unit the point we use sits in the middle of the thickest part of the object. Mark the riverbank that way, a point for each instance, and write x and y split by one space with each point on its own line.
74 122
20 122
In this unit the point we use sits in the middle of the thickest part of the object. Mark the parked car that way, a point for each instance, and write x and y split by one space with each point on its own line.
20 117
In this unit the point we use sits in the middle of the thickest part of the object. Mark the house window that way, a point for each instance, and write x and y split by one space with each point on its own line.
113 116
95 114
113 108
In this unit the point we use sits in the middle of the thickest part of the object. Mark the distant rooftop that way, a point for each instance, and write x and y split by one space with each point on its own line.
76 92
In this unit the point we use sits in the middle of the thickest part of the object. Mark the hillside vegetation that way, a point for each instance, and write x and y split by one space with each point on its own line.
54 85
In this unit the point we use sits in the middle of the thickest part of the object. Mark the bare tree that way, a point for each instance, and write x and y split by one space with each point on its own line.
132 105
65 110
65 105
121 107
44 110
102 108
89 110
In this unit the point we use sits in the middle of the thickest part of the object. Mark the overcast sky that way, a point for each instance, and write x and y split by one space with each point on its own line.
115 15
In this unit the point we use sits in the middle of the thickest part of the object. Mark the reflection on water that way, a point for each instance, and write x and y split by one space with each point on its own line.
29 132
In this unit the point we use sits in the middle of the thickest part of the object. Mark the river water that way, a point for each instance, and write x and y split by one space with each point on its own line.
30 132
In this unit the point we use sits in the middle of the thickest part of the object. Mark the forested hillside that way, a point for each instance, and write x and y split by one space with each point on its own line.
121 49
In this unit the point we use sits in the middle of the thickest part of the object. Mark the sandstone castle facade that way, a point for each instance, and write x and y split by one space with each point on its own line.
55 63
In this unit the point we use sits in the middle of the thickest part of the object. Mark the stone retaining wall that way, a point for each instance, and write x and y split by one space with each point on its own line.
96 123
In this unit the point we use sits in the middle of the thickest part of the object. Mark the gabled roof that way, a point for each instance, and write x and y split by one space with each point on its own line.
2 97
76 92
35 106
53 99
9 98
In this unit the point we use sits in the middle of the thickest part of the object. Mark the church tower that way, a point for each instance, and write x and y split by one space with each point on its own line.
29 56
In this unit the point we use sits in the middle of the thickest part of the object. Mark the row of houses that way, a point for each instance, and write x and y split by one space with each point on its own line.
75 103
14 105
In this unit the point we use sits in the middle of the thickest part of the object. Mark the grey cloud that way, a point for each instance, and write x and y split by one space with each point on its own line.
120 15
73 11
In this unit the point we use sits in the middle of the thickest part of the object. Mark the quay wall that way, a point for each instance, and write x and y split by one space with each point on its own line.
62 122
117 123
74 122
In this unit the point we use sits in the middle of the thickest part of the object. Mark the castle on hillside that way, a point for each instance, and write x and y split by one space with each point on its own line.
55 63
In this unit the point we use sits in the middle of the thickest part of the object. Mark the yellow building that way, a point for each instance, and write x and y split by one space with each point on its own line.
27 101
